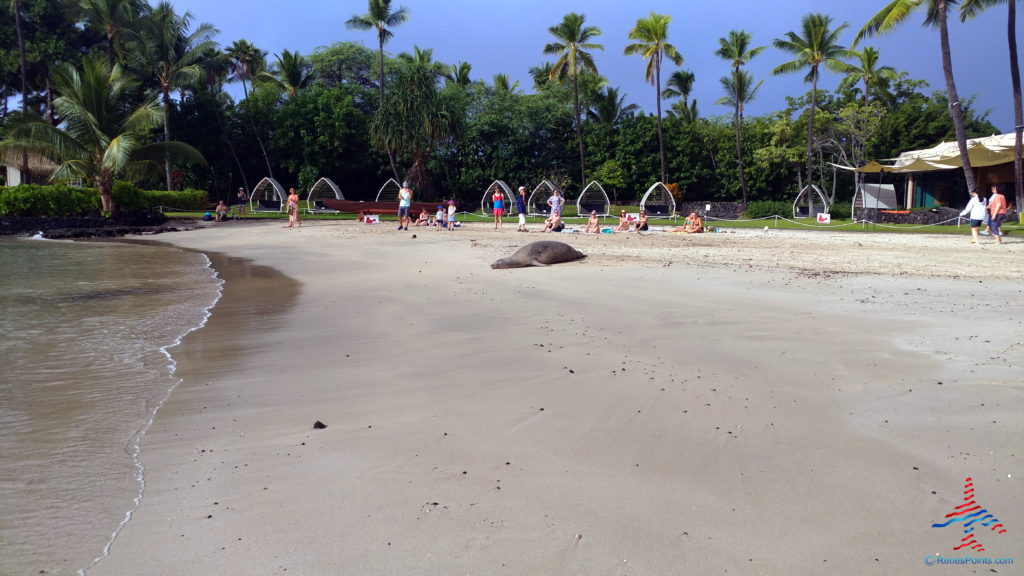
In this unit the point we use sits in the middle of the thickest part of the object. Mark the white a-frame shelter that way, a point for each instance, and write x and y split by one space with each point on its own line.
537 204
593 199
389 191
324 188
487 202
268 195
658 201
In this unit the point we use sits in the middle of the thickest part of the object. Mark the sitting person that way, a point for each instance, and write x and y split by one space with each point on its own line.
641 223
553 223
594 224
222 211
692 225
364 216
423 219
623 222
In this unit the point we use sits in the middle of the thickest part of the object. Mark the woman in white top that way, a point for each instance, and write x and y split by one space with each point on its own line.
975 210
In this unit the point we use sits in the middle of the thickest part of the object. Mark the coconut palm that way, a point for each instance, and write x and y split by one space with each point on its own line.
868 71
113 18
736 49
572 42
504 85
688 114
16 11
739 90
609 108
935 15
425 57
173 55
246 62
651 35
816 46
290 74
459 74
380 17
970 9
99 138
679 85
541 75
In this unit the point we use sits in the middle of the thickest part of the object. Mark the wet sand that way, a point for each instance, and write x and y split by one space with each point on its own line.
781 403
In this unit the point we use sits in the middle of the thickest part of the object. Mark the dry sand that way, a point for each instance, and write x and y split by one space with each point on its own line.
785 403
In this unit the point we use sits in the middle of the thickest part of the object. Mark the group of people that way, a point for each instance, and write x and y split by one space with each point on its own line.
990 211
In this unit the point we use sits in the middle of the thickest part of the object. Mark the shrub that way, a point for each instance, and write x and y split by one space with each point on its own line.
766 209
176 200
839 211
31 200
127 196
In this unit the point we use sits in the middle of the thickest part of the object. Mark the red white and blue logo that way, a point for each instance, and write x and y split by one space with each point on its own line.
972 516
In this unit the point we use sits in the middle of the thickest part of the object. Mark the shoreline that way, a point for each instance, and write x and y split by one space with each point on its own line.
643 405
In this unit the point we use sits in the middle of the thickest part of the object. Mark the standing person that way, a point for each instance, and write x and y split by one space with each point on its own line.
975 210
499 207
293 209
439 218
996 213
556 201
521 208
451 215
404 203
241 202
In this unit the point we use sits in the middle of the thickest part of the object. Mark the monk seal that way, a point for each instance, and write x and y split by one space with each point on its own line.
540 253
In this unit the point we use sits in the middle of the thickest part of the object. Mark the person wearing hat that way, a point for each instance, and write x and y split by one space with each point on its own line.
451 215
521 208
241 200
404 203
439 218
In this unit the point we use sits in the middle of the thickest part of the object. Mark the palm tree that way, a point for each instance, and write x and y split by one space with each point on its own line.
541 75
380 17
425 58
16 10
688 114
935 14
459 74
679 85
739 90
100 138
291 74
247 62
113 18
174 55
572 42
504 85
970 9
609 108
868 72
816 47
651 34
736 49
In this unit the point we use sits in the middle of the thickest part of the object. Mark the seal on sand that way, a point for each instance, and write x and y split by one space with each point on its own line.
541 253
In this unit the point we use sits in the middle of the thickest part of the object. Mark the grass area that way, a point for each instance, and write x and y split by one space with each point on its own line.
774 223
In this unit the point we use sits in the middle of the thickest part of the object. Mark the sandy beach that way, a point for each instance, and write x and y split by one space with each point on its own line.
779 403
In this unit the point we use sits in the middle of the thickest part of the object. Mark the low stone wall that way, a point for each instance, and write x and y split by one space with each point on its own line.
120 224
920 217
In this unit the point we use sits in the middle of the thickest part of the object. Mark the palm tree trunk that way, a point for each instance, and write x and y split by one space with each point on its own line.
810 141
391 154
252 124
661 139
1018 114
579 131
954 99
16 5
738 119
167 134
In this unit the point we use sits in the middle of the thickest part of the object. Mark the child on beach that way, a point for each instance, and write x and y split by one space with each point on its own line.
439 218
451 215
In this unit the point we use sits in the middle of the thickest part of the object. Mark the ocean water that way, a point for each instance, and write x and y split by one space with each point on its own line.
87 336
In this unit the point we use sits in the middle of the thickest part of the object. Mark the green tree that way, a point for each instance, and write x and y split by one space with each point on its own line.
739 90
736 49
651 35
679 85
100 138
246 62
816 46
114 19
16 11
572 42
868 71
380 17
935 15
609 108
459 74
971 8
173 55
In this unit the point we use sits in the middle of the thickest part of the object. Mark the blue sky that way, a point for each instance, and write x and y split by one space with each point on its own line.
509 36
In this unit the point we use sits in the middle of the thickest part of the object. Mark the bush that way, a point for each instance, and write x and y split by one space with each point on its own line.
839 211
128 196
31 200
174 200
766 209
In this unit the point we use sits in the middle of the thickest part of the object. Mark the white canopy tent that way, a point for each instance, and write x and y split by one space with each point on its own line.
988 151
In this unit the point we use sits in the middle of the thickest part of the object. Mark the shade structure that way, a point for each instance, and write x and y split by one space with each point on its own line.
324 188
880 196
593 199
389 191
487 202
268 195
658 201
537 204
805 195
988 151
